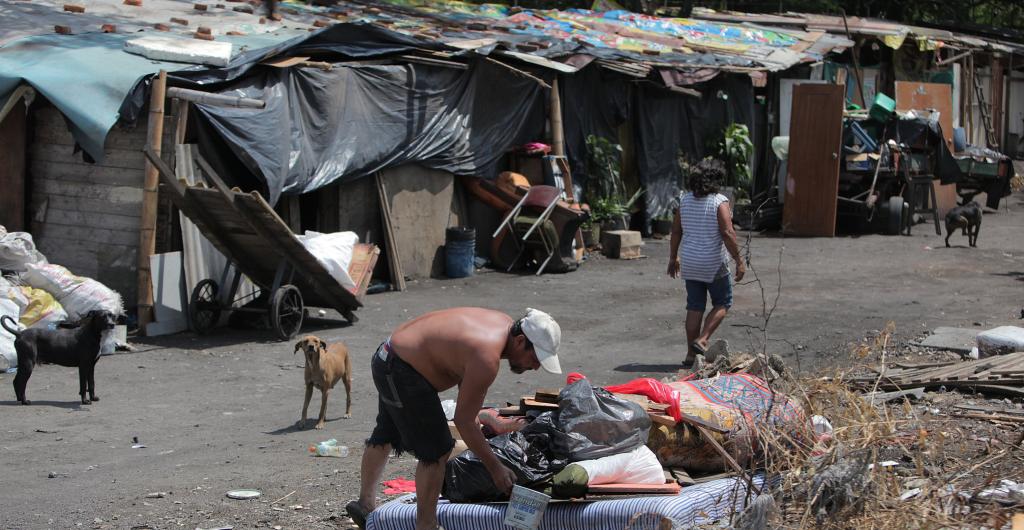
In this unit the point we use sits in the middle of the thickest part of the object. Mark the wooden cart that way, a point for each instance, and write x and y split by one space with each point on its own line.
257 243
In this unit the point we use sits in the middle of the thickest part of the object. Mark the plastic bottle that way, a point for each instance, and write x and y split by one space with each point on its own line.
329 448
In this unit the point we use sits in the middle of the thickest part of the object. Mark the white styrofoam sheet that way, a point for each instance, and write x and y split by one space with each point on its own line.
181 50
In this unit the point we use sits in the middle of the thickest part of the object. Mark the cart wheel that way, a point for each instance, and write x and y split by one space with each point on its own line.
286 311
894 220
203 308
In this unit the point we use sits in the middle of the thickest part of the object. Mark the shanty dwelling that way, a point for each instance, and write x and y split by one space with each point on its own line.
371 123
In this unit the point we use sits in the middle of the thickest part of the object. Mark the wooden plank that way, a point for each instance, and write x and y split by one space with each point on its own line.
812 186
549 395
85 233
912 95
110 221
124 195
131 159
77 204
640 489
391 246
13 133
86 173
421 203
527 402
360 269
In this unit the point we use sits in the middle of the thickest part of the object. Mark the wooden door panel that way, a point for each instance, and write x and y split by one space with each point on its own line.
12 169
812 186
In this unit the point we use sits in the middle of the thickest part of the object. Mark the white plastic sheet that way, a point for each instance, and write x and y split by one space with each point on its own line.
333 251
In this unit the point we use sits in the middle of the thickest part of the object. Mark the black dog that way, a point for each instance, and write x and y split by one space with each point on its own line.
78 346
966 217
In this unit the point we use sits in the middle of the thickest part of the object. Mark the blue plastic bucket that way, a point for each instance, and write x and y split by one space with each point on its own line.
459 251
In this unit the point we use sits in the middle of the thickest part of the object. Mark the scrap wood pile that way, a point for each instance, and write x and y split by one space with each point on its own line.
900 456
836 452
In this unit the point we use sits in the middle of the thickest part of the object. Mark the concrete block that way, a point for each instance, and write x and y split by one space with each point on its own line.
621 244
959 340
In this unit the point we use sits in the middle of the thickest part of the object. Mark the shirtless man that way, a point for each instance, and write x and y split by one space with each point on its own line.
434 352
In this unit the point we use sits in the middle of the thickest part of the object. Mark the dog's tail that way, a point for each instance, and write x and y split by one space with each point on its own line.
13 331
961 219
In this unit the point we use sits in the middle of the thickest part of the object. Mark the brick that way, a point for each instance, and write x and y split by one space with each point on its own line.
220 6
161 27
203 36
321 23
199 7
108 28
204 29
136 3
235 33
74 8
181 21
621 244
63 30
263 20
243 9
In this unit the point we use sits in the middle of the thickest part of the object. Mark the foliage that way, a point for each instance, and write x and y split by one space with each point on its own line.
736 149
606 193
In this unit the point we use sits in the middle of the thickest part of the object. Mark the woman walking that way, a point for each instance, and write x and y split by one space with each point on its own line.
703 224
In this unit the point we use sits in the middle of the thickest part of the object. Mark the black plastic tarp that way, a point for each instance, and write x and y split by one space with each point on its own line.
595 102
668 123
321 127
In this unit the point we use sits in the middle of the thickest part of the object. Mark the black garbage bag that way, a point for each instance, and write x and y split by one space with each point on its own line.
467 480
597 424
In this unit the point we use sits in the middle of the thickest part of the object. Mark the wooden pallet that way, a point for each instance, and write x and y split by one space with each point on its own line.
1002 370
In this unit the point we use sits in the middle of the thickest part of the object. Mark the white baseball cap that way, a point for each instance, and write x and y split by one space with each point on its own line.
546 336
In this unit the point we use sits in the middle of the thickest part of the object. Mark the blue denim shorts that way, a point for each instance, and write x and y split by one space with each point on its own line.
720 291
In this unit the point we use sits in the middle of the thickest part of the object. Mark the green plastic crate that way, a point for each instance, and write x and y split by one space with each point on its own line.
882 108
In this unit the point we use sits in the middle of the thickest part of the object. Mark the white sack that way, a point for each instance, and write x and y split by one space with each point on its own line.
17 250
10 309
77 295
333 251
1000 341
639 466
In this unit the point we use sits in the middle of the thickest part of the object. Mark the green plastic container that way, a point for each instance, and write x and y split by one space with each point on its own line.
882 108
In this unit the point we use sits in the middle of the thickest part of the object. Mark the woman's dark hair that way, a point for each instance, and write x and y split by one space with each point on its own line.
705 176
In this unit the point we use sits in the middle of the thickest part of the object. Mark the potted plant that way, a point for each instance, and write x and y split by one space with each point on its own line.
736 148
609 207
662 224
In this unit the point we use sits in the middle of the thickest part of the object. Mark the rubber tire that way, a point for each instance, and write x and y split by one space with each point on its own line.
203 308
286 312
894 217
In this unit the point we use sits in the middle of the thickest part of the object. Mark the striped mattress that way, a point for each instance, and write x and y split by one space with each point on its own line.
695 505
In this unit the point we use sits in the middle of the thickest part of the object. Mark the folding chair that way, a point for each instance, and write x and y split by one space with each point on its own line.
529 225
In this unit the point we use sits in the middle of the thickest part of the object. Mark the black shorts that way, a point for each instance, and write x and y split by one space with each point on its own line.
409 414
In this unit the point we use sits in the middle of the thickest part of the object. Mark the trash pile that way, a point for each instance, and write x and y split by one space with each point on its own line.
38 294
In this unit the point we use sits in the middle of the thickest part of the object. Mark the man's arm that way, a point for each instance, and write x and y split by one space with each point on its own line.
729 238
475 381
677 237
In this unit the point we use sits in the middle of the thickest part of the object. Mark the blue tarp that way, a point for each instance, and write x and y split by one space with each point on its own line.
88 76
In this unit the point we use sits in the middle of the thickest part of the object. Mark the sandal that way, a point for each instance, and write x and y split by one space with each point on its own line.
357 513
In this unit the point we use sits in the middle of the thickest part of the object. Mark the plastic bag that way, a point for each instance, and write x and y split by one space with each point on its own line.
639 466
654 390
599 424
7 351
17 250
334 252
467 480
43 309
77 294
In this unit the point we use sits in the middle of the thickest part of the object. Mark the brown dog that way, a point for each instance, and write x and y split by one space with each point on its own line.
325 365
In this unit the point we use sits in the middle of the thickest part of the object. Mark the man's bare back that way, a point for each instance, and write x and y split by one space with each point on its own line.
441 344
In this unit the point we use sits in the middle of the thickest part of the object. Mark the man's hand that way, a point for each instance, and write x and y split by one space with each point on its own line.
740 270
504 478
673 267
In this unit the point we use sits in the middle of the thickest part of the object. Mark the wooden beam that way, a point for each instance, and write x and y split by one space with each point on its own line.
390 244
519 72
206 98
557 133
147 224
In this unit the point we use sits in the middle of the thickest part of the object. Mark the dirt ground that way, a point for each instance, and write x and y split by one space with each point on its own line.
217 413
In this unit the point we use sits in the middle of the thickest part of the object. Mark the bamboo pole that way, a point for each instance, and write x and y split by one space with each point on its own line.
147 228
557 134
